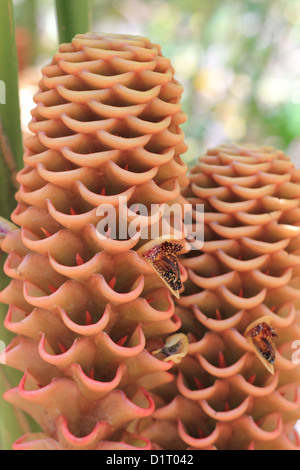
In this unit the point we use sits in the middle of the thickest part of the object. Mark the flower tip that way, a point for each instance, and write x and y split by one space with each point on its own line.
175 349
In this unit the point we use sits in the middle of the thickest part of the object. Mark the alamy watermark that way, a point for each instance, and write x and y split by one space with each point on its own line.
181 221
2 92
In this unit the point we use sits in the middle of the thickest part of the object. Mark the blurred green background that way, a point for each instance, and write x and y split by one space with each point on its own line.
239 61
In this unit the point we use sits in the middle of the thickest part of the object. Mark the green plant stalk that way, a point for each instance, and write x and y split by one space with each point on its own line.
12 423
73 17
30 11
10 112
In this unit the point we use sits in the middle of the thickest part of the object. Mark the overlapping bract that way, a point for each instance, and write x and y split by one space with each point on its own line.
84 308
248 268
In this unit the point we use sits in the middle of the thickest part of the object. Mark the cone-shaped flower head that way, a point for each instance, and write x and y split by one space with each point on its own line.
238 387
86 304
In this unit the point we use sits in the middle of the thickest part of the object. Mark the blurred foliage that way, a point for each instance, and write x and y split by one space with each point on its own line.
238 61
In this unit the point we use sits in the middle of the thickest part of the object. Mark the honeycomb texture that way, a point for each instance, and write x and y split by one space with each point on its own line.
248 268
84 308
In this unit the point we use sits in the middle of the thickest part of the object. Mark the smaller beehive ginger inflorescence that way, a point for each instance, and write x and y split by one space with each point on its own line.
238 387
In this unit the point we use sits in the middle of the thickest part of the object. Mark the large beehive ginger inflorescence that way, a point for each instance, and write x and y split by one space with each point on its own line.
84 307
246 274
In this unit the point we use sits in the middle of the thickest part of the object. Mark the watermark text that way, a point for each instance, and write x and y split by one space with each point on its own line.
2 92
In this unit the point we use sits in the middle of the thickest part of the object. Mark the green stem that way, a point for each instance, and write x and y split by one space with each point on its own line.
9 95
11 159
73 17
30 11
